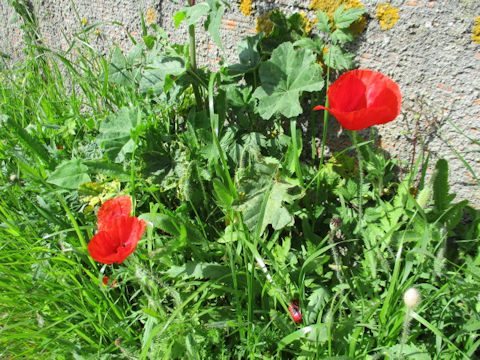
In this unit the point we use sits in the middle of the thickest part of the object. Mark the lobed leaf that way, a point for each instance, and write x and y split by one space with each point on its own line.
284 78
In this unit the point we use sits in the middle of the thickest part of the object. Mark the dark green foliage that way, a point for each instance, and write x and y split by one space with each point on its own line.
239 222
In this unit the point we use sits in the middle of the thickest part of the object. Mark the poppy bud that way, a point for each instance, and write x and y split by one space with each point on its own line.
335 223
295 311
411 298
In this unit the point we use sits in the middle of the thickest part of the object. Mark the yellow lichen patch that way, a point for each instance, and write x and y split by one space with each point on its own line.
387 15
151 16
264 24
329 7
246 7
308 23
476 31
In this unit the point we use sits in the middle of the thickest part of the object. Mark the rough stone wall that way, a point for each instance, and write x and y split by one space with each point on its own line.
429 52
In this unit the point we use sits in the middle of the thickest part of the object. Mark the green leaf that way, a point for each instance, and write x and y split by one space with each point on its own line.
284 30
323 23
292 154
454 214
198 271
107 168
191 14
28 141
214 21
222 194
118 69
317 333
156 74
261 191
69 174
343 19
248 54
173 225
115 133
338 59
316 44
316 301
342 36
407 351
284 78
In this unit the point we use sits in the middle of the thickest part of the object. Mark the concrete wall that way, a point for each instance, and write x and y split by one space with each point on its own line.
429 52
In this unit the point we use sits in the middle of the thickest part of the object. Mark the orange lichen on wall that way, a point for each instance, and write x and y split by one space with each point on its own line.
246 7
329 7
387 15
264 24
476 31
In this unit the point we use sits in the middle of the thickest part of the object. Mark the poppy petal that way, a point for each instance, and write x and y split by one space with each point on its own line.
103 248
119 206
127 230
347 93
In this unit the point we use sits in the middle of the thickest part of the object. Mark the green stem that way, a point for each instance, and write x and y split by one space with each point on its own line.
235 289
214 126
324 136
192 50
293 132
325 122
193 63
406 329
354 137
312 127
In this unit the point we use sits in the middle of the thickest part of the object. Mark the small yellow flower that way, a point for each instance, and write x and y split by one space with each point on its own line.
387 15
97 32
151 16
84 21
95 193
476 31
264 24
246 7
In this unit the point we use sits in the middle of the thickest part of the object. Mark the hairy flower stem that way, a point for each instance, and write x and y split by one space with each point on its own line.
354 137
324 136
325 123
336 258
406 329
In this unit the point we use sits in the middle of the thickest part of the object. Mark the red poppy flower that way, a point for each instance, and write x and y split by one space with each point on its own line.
362 98
117 239
106 280
113 208
295 311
